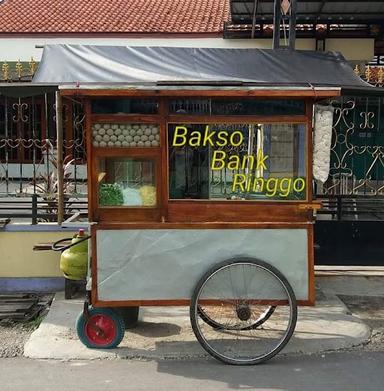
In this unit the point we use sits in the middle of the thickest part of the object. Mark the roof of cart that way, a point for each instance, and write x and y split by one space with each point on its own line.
88 66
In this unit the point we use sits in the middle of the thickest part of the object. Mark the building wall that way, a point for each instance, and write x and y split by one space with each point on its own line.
356 50
23 48
17 258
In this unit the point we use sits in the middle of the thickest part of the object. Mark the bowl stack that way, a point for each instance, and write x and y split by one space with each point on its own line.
125 135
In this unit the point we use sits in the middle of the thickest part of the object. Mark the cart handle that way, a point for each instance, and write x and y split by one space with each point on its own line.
56 245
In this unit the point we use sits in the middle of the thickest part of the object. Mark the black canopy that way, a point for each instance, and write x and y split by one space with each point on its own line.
67 64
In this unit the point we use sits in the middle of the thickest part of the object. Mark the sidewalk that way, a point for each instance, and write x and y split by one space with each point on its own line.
165 332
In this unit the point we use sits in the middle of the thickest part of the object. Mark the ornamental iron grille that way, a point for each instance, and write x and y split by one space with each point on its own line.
357 150
371 74
17 71
355 186
28 156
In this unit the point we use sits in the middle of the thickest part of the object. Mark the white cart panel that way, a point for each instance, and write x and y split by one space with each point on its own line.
166 264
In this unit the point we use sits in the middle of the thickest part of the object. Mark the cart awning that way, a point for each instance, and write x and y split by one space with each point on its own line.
78 64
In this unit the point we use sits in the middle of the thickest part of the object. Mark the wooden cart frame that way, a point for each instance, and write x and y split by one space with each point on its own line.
100 326
209 214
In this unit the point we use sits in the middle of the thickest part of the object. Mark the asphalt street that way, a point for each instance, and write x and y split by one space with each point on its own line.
357 370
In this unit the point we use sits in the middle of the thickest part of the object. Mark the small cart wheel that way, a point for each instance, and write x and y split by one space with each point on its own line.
253 306
101 328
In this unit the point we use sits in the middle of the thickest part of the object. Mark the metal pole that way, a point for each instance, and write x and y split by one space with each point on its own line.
34 209
292 25
276 24
59 147
6 146
255 4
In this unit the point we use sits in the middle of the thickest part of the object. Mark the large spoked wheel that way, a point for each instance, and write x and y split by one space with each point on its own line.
103 328
236 295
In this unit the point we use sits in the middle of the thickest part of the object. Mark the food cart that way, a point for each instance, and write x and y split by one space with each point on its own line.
200 187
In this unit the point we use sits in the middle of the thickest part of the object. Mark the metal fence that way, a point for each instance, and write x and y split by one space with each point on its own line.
36 209
28 157
357 160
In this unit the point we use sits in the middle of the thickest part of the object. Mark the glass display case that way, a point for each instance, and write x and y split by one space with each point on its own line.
198 159
237 161
127 182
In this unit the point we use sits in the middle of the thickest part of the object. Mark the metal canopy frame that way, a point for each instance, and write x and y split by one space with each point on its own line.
353 18
313 11
280 17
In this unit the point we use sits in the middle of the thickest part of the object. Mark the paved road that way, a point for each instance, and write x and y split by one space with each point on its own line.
337 371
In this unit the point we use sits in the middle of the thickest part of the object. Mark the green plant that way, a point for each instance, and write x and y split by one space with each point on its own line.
46 186
35 323
110 194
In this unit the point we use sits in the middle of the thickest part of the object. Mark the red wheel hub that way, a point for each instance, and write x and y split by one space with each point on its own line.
101 329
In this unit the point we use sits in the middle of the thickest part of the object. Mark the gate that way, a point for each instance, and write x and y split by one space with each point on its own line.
28 157
348 230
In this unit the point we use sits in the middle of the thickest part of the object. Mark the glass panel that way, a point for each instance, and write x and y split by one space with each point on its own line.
237 161
237 107
125 135
124 106
127 182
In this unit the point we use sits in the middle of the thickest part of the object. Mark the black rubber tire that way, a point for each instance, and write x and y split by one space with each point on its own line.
81 323
194 311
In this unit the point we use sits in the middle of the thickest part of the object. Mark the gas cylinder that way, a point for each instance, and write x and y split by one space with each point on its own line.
74 260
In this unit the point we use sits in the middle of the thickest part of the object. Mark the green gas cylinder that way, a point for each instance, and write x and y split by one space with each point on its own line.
74 260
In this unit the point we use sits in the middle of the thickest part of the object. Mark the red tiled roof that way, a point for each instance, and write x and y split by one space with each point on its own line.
113 16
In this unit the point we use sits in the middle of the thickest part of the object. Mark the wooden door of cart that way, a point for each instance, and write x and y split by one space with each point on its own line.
202 197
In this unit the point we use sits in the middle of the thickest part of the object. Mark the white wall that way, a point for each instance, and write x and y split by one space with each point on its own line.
356 50
12 49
